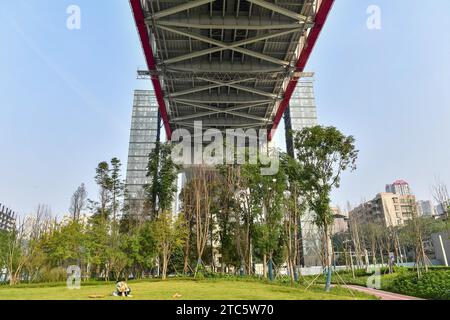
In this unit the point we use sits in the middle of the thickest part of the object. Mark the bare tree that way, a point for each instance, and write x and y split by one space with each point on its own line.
245 213
441 195
294 208
170 234
188 213
78 202
203 188
23 244
355 237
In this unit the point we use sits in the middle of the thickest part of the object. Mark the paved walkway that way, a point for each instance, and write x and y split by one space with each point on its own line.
383 295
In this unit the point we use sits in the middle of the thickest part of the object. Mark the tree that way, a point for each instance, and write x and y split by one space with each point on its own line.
203 188
105 242
65 244
323 153
442 197
163 173
243 214
116 186
78 202
139 246
267 194
231 210
413 233
97 244
187 202
169 235
294 208
22 250
103 180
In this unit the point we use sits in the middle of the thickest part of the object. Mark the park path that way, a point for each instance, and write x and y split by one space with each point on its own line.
383 295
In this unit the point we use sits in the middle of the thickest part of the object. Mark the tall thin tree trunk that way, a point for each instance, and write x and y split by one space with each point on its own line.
381 255
186 255
328 257
264 265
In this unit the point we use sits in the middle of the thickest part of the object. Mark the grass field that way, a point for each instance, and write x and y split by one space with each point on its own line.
188 289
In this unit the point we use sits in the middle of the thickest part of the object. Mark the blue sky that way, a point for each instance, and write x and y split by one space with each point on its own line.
66 96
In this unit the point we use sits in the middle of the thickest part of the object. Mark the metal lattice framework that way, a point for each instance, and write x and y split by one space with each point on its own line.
228 63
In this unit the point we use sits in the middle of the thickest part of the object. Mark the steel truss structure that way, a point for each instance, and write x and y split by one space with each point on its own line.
228 63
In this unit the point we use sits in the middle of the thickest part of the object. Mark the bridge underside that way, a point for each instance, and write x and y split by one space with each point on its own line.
227 63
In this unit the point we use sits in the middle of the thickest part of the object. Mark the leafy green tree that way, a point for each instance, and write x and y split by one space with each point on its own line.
169 235
116 186
139 245
267 193
97 244
294 208
65 244
103 180
163 171
323 153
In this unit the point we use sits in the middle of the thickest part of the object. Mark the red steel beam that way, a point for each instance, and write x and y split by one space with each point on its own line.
151 64
321 17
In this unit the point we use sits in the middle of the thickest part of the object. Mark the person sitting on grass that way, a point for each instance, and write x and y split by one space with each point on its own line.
122 289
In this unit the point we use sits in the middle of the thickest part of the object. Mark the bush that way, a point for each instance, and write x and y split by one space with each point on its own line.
52 275
432 285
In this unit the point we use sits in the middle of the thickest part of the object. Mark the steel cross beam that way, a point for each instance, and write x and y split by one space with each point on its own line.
227 111
224 124
238 87
204 88
180 8
231 23
223 100
278 9
221 46
217 111
321 17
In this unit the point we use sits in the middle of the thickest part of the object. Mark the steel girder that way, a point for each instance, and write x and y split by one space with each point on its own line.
226 61
321 17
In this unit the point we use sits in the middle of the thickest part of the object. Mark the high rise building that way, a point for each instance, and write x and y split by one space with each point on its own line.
425 208
302 114
442 209
400 187
7 218
340 222
302 111
143 137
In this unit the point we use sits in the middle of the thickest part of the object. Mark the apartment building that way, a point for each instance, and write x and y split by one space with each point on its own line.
387 208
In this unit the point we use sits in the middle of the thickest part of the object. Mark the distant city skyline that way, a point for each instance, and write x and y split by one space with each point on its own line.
66 96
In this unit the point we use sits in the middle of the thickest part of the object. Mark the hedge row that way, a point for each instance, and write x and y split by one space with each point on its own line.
431 285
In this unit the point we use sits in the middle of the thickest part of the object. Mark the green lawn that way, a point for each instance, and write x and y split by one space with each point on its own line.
188 289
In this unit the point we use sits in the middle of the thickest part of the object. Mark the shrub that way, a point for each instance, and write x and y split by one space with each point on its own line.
431 285
52 275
